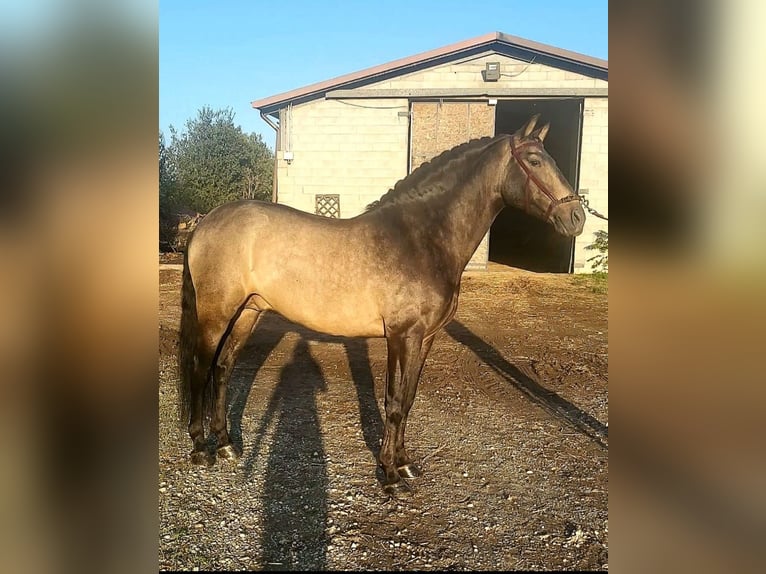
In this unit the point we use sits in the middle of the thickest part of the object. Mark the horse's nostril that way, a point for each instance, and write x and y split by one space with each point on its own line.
576 217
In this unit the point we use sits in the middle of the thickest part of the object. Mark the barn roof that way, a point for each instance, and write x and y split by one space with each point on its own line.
512 46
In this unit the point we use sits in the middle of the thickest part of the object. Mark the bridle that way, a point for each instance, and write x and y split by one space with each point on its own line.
538 183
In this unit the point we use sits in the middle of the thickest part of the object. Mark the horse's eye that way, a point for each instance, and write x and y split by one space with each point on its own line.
534 162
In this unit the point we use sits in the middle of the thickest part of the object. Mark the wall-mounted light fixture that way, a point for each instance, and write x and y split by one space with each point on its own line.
492 72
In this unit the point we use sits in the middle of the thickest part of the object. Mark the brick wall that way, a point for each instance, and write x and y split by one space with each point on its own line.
439 126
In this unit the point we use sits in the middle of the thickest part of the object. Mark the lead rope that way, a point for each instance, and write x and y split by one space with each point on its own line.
589 209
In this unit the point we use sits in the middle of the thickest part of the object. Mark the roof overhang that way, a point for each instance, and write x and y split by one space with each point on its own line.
511 46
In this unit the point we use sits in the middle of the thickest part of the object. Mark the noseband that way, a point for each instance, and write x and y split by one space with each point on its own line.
527 190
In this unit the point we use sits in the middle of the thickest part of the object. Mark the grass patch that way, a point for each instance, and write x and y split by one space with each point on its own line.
595 282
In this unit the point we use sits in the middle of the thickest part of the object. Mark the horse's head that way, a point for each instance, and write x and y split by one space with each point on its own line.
535 184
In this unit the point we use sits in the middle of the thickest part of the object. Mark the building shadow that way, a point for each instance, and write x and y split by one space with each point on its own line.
546 399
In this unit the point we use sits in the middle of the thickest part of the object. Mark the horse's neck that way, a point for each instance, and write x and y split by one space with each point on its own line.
462 221
472 219
452 222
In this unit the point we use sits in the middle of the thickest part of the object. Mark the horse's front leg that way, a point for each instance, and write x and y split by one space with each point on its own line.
404 465
404 365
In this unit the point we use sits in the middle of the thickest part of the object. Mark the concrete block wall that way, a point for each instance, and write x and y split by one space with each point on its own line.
480 257
357 151
358 148
467 74
594 176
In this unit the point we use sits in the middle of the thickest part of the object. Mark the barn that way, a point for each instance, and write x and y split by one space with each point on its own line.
344 142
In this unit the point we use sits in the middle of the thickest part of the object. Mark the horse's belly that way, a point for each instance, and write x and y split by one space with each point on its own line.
334 316
343 327
323 279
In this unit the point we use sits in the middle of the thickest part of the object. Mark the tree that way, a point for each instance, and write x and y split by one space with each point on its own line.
216 162
258 170
168 200
601 245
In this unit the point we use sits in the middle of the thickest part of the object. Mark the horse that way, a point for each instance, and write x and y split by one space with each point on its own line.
392 271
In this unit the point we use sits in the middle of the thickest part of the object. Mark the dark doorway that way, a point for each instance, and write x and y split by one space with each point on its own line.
517 239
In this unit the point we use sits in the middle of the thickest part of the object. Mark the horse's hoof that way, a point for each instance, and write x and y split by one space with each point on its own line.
228 452
202 458
409 470
398 489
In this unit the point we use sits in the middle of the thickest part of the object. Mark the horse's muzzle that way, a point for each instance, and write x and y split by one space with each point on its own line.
569 219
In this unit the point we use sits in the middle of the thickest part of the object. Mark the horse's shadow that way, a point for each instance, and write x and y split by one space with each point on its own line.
294 498
546 399
295 478
271 330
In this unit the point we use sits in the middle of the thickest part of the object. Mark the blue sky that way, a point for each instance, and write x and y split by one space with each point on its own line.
225 54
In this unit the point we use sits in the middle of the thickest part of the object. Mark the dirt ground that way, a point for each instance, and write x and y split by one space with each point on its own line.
510 426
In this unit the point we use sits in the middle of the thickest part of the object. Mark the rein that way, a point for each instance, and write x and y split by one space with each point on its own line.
538 183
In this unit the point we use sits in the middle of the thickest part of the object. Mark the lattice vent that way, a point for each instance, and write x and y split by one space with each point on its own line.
328 205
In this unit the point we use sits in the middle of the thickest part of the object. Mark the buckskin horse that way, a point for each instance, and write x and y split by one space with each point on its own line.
393 271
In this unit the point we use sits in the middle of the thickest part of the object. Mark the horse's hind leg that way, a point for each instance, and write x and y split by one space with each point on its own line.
203 358
236 339
211 344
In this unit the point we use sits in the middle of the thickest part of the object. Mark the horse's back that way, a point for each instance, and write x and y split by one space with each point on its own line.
316 271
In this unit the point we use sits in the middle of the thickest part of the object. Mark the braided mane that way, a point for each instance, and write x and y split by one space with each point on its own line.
436 176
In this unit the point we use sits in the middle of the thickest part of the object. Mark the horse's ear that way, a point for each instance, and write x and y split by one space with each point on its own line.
540 133
530 125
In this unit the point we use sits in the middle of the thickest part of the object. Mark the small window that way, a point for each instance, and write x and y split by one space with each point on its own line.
328 205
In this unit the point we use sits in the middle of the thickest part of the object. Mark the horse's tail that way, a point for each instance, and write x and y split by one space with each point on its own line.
187 343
